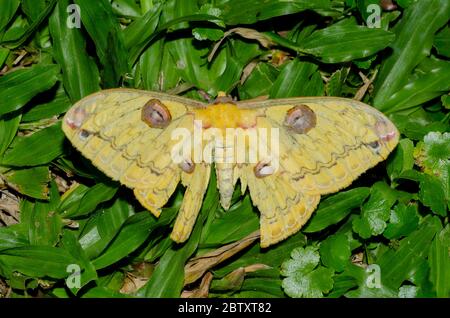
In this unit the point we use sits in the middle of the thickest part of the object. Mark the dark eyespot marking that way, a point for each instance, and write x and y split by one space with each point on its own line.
155 114
300 119
84 134
263 169
187 166
374 145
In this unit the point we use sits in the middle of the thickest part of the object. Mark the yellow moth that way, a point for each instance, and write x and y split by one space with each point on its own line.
286 152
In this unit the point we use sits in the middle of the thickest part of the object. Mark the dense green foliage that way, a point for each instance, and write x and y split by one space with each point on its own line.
386 236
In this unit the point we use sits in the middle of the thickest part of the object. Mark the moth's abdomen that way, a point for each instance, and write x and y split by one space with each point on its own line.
225 183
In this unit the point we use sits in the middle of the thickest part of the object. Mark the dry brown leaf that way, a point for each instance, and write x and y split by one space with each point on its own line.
137 278
367 82
202 291
248 69
245 33
197 266
358 259
9 208
132 283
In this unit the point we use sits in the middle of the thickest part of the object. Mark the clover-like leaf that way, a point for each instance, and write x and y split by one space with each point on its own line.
434 152
403 220
376 211
335 251
304 278
212 34
433 156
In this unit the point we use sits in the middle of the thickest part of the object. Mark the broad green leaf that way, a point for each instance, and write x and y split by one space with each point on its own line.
337 43
170 20
4 53
71 244
20 86
432 192
336 82
38 261
336 207
71 199
133 233
342 284
439 259
259 287
298 79
9 124
419 276
20 37
80 73
12 236
101 192
52 105
431 80
414 38
417 124
37 149
445 99
224 71
375 212
31 182
403 220
168 278
138 32
335 252
237 223
366 10
259 82
126 8
101 229
369 283
246 12
113 281
43 223
156 68
157 250
347 229
405 3
303 276
232 281
401 160
212 34
442 42
9 8
396 264
33 8
108 39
